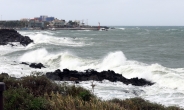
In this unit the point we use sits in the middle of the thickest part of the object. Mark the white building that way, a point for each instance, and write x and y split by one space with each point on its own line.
57 23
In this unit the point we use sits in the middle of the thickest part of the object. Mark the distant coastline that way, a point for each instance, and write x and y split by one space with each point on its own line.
94 28
50 24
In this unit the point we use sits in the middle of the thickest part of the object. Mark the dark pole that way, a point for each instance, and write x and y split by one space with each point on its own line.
2 88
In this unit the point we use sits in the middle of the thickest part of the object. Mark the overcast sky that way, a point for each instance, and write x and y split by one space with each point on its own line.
107 12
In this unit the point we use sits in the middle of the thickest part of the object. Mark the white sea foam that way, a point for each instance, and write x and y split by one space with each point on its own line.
167 87
122 28
5 49
84 30
48 38
167 90
13 68
164 77
108 90
27 33
34 56
113 60
65 41
172 30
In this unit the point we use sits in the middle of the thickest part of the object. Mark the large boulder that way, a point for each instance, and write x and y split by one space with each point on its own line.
69 75
10 35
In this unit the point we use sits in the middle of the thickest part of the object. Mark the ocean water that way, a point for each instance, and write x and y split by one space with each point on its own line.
153 53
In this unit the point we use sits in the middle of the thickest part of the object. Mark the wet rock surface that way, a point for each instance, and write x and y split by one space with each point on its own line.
72 75
34 65
37 65
7 36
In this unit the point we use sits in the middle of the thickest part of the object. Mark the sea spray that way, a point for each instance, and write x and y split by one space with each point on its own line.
116 61
41 38
157 56
113 60
35 56
121 28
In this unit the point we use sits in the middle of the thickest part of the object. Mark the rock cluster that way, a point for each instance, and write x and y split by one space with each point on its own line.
68 75
37 65
34 65
10 35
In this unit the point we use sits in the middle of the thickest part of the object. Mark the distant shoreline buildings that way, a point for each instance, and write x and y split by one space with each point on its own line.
45 22
42 22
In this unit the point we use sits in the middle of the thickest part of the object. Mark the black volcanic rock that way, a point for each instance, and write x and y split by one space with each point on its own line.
34 65
37 65
69 75
24 63
11 35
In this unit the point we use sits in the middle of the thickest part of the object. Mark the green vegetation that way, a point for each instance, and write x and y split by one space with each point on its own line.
36 92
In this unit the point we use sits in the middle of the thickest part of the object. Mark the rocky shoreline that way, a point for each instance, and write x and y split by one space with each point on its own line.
8 36
73 75
90 74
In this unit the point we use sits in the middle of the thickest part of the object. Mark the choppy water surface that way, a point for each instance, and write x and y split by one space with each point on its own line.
153 53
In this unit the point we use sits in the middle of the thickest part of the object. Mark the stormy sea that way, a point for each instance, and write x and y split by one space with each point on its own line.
153 53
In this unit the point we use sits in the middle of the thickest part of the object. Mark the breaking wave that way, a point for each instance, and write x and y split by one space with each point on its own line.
49 38
121 28
164 77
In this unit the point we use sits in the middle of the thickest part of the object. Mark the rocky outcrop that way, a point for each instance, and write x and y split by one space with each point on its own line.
37 65
10 35
68 75
34 65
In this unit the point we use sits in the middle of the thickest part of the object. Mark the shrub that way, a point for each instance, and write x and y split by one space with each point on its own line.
80 92
3 76
37 85
140 104
36 92
86 96
21 99
60 102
